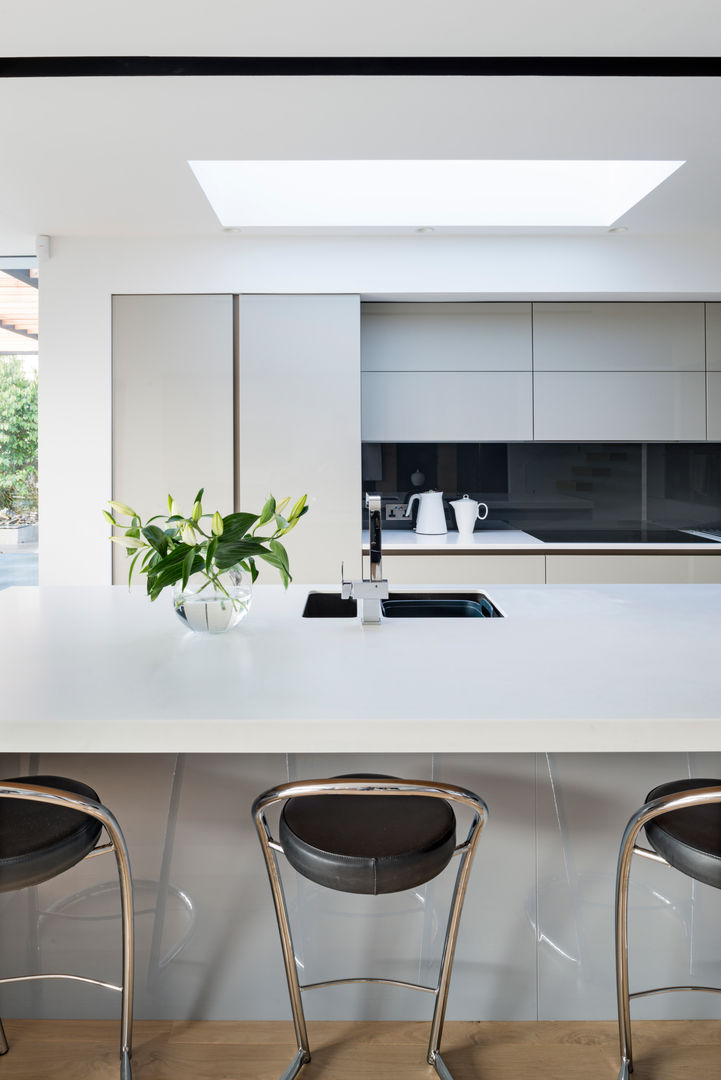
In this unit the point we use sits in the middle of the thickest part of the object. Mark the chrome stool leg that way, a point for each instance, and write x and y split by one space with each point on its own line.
624 1006
668 803
117 844
286 940
465 850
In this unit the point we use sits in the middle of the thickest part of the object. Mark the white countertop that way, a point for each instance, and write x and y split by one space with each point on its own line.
571 668
513 541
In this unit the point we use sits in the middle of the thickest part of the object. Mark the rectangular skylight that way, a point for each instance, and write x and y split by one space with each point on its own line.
336 194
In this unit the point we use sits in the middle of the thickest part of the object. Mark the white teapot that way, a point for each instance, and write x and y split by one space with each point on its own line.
431 519
467 512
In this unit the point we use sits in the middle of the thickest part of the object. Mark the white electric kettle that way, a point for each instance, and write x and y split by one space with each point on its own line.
431 518
467 512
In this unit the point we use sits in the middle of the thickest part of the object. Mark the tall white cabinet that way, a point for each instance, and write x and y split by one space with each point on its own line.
299 422
248 395
172 365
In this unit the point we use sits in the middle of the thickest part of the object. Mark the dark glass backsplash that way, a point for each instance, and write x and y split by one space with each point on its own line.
676 485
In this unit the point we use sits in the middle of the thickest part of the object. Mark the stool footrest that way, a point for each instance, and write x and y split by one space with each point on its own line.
370 979
71 978
672 989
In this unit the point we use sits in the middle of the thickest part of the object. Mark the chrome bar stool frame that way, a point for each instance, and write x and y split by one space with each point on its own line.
629 848
466 851
73 801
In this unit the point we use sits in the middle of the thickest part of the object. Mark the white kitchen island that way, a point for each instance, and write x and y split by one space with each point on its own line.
562 715
569 669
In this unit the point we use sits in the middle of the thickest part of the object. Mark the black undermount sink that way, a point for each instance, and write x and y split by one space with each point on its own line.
429 605
323 605
406 605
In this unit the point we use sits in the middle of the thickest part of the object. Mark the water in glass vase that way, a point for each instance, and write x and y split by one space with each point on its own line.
207 609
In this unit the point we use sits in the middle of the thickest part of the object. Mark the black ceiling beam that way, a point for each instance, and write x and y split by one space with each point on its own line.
29 67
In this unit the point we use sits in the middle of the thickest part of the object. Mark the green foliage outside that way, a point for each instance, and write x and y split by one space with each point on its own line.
18 435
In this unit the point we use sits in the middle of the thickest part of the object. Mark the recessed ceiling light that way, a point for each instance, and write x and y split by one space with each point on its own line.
336 194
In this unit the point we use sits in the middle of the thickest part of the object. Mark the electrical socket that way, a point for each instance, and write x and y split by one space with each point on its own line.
395 511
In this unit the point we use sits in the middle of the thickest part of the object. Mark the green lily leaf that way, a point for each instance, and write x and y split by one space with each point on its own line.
109 517
133 561
228 553
278 550
156 538
188 565
235 526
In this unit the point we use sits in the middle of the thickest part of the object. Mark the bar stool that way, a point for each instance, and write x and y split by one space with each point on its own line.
682 820
47 825
401 837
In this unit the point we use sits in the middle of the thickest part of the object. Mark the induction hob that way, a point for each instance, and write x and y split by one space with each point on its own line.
643 534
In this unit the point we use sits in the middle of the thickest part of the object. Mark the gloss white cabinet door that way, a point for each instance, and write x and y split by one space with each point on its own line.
713 403
626 405
633 569
446 406
474 570
446 337
618 337
713 337
299 423
172 403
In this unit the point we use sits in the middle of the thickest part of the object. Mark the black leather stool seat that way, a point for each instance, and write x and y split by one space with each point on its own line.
39 840
690 839
368 844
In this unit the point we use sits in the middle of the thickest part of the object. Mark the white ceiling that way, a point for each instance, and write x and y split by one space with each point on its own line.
108 156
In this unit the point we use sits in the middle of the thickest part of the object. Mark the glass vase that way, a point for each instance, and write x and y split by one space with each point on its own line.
208 608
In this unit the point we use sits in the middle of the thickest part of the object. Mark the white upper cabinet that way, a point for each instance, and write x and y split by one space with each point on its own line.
643 406
446 372
619 371
713 337
446 337
446 406
618 337
713 390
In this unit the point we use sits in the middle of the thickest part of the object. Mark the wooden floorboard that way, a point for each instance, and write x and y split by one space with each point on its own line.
210 1050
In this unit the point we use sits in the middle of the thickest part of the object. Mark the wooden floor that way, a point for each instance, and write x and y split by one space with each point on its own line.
80 1050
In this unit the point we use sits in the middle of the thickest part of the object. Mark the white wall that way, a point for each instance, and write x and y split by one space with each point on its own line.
79 280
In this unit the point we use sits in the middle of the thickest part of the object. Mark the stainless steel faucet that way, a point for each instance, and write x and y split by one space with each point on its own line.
370 591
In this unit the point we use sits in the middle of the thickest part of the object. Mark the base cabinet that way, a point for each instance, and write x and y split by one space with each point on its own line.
464 569
624 569
616 569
